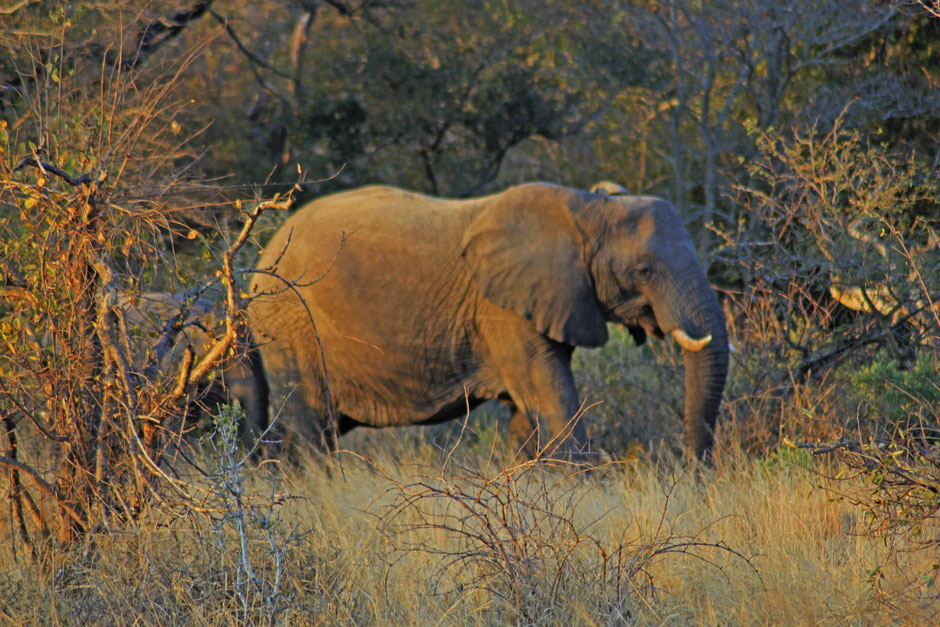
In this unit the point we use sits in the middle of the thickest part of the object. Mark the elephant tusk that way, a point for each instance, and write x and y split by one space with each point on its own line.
691 344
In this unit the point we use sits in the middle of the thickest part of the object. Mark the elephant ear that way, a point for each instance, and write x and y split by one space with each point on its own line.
524 252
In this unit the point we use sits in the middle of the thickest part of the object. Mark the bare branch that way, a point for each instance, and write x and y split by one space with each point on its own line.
48 167
255 59
218 349
44 486
10 10
160 31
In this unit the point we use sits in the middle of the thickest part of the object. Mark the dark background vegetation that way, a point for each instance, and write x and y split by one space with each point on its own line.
800 140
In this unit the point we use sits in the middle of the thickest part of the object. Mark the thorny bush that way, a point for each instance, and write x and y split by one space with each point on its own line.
92 210
837 263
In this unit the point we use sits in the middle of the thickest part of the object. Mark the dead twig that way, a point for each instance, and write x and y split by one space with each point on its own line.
48 167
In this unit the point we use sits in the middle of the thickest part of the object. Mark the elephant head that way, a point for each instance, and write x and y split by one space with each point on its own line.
159 350
570 261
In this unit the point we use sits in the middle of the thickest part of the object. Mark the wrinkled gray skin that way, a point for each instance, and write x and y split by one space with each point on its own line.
241 379
431 305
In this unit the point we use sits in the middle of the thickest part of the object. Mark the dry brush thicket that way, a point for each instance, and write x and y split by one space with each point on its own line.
94 399
98 386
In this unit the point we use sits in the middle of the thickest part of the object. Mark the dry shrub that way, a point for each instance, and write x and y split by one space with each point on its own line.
515 537
92 213
838 329
836 253
894 482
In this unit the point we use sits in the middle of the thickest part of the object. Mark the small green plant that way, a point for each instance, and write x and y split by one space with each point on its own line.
903 399
786 459
239 515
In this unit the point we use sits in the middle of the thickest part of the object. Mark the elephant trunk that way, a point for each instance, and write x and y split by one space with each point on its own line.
705 349
705 373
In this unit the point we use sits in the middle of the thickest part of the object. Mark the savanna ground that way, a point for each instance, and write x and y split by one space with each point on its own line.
147 146
388 541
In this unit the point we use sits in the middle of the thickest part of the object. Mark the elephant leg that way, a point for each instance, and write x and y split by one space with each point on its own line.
546 426
299 418
331 431
534 372
544 418
243 380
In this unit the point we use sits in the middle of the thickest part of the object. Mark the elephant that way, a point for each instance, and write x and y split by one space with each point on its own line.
895 304
241 377
382 307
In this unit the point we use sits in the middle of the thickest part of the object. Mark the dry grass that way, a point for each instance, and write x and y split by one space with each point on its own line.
393 542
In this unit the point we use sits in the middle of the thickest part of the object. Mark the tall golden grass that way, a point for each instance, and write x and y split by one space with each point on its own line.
409 534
